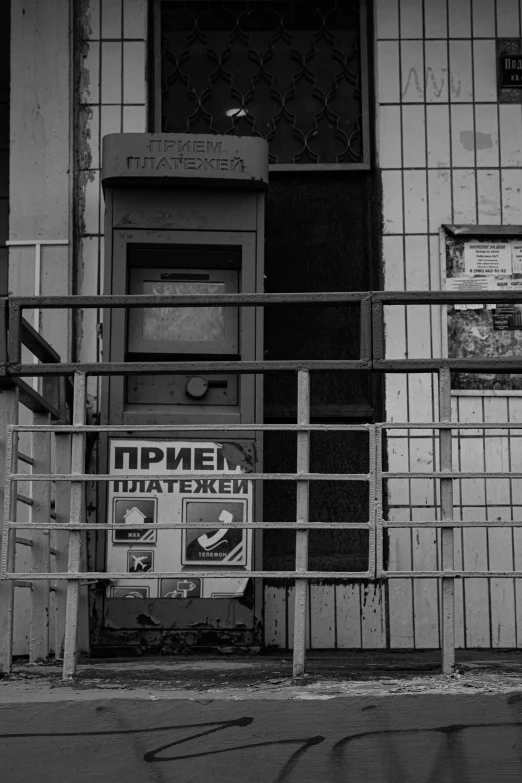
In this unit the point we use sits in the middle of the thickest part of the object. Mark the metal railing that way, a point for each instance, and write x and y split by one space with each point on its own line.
372 357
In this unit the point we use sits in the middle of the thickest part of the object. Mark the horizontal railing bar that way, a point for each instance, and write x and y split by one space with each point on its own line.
189 300
176 368
316 298
449 425
170 428
509 364
25 457
445 297
24 498
239 574
446 574
176 477
19 583
186 525
23 541
451 523
454 474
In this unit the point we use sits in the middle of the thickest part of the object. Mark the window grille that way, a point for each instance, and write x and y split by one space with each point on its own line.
292 72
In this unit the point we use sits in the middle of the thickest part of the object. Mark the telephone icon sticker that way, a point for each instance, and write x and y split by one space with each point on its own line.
214 546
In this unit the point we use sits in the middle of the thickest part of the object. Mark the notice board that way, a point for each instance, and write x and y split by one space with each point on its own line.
167 496
483 258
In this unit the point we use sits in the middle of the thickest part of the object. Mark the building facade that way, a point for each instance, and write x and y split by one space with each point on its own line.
386 122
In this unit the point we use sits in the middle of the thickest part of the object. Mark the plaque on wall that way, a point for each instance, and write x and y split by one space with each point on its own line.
483 258
511 70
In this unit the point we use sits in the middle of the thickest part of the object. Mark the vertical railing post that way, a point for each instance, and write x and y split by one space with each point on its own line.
62 507
302 517
77 490
40 550
10 458
447 533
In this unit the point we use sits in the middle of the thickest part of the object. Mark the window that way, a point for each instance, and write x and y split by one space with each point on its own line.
294 73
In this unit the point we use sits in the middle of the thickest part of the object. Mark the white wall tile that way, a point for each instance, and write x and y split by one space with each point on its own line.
459 18
464 196
435 278
390 146
508 18
486 134
484 23
420 385
396 398
511 180
414 135
412 72
460 71
437 120
110 120
435 19
387 18
90 73
510 117
436 56
134 72
417 266
134 18
439 198
488 191
411 19
111 18
134 119
388 81
392 202
111 72
463 135
415 207
395 332
485 70
393 262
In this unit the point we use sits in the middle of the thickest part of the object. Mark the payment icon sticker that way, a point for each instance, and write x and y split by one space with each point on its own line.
130 592
139 561
135 511
180 588
214 546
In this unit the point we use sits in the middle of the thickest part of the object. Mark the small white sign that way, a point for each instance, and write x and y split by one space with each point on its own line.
516 256
470 284
487 258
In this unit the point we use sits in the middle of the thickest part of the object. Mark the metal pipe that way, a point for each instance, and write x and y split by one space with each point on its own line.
447 534
8 546
70 654
301 535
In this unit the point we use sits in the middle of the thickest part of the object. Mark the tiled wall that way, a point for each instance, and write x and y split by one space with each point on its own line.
113 100
449 153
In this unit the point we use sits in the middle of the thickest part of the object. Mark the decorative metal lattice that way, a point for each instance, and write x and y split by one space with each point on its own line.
289 72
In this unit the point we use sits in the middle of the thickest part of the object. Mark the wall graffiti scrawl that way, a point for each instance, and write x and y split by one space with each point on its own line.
169 497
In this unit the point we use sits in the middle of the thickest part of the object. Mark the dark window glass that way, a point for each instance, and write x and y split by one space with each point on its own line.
289 72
